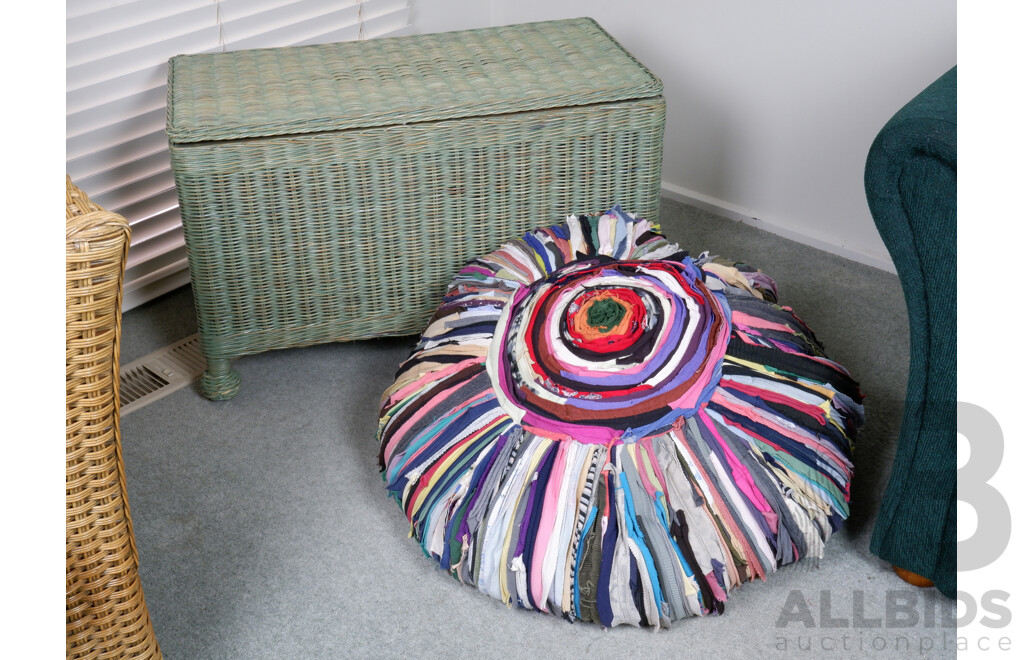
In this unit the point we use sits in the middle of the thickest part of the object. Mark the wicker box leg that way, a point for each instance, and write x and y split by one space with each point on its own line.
106 612
220 381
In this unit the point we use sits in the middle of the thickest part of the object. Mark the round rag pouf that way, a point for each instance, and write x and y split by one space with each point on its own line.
598 426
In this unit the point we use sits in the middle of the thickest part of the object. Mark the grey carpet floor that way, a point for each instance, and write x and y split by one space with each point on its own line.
263 530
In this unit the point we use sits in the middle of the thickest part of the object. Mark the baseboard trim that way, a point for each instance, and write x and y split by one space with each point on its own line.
738 214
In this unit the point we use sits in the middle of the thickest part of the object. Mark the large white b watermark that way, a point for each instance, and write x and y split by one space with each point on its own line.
985 437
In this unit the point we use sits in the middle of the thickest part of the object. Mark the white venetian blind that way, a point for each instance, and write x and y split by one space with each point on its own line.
117 52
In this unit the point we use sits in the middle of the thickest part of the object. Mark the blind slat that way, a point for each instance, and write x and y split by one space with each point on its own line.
131 128
105 20
384 24
129 61
303 32
170 28
156 225
142 199
381 7
111 89
135 295
114 156
116 93
178 262
116 111
104 182
79 8
152 251
234 10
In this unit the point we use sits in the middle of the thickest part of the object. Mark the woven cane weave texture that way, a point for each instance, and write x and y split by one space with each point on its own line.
331 235
400 80
107 615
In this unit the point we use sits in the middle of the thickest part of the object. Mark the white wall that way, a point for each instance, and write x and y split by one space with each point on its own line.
772 104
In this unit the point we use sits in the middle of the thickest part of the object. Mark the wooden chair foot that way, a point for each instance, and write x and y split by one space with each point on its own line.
912 578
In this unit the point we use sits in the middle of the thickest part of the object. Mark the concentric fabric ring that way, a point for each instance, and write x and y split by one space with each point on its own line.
596 425
658 362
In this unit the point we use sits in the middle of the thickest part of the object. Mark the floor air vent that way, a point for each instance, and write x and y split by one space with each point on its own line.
158 374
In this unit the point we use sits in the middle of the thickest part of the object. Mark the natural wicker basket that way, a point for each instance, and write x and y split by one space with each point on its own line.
107 615
328 192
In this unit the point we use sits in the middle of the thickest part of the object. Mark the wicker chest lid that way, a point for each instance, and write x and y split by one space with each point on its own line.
399 80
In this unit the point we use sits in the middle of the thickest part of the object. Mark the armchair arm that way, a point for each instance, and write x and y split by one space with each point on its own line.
910 181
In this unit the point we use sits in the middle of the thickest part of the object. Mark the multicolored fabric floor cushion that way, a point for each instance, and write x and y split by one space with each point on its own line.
599 426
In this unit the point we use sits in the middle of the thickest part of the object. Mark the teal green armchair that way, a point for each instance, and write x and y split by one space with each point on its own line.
910 181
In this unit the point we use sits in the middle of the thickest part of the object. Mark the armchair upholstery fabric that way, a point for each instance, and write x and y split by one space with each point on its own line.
910 181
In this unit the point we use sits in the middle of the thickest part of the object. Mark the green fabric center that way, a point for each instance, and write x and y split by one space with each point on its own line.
605 314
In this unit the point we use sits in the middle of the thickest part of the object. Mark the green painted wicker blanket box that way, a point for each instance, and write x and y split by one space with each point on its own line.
329 192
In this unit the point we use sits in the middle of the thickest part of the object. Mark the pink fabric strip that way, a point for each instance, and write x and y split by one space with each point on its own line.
556 430
560 243
648 445
641 459
546 526
756 322
769 395
828 363
438 375
741 476
816 446
715 588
